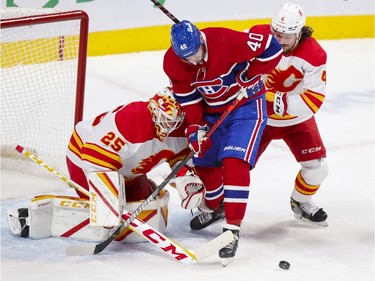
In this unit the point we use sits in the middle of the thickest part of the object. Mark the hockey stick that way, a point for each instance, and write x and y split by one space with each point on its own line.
101 246
138 226
163 243
165 11
98 248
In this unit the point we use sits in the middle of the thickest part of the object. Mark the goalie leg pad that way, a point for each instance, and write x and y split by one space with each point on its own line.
107 198
40 216
68 217
63 216
71 219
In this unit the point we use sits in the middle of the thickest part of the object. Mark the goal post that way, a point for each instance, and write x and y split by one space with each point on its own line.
43 70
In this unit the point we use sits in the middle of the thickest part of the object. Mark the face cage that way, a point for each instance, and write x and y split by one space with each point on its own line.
167 124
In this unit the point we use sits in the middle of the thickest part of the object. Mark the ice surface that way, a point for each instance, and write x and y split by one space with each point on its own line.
343 251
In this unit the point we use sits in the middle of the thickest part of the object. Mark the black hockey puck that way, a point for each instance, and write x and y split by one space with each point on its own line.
284 265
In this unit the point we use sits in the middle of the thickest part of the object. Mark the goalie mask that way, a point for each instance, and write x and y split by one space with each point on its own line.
166 113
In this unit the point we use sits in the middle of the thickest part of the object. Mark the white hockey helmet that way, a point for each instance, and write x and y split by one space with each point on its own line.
289 19
166 112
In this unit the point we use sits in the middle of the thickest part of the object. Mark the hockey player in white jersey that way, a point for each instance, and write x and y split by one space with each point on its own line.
296 90
110 156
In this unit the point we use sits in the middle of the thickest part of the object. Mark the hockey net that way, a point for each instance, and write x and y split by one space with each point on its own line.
43 64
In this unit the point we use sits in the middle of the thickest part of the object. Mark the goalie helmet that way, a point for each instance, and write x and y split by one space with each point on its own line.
185 39
289 19
166 112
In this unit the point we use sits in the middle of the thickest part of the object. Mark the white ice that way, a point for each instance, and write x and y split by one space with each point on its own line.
343 251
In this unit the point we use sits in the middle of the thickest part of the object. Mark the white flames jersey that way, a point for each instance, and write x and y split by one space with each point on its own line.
124 140
302 75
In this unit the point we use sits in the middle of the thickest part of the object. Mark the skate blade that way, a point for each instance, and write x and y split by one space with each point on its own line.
301 218
226 261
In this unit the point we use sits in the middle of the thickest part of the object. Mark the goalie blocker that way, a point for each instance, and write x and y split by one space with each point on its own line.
88 220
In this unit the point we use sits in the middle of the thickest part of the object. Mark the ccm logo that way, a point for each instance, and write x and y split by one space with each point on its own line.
165 245
157 239
93 208
311 150
75 204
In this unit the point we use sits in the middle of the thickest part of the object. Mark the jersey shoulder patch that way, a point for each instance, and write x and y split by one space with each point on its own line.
261 28
134 122
310 51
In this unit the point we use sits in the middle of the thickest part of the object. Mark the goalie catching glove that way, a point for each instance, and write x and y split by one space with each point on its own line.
190 188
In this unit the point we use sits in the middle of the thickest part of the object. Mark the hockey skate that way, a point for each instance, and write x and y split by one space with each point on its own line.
229 251
309 212
206 218
17 222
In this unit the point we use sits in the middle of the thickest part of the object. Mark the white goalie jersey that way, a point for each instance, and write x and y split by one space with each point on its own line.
124 140
108 159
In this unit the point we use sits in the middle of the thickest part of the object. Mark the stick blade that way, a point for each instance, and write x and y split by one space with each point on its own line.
226 261
214 245
78 250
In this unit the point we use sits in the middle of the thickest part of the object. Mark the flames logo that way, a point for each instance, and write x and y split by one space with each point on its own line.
168 105
147 164
284 80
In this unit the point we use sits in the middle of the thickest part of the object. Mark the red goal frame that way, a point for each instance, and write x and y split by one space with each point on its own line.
83 42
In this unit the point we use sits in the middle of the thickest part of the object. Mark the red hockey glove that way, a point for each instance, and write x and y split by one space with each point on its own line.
252 86
280 105
196 136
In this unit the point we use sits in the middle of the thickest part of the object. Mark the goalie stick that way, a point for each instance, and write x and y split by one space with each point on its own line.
164 244
98 248
158 239
101 246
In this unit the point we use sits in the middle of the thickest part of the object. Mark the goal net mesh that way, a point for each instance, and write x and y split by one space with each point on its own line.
39 76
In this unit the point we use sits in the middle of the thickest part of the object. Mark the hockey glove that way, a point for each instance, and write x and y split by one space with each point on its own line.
196 136
280 105
251 86
190 189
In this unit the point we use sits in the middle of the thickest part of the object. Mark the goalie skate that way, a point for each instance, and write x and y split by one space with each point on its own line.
17 222
308 212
